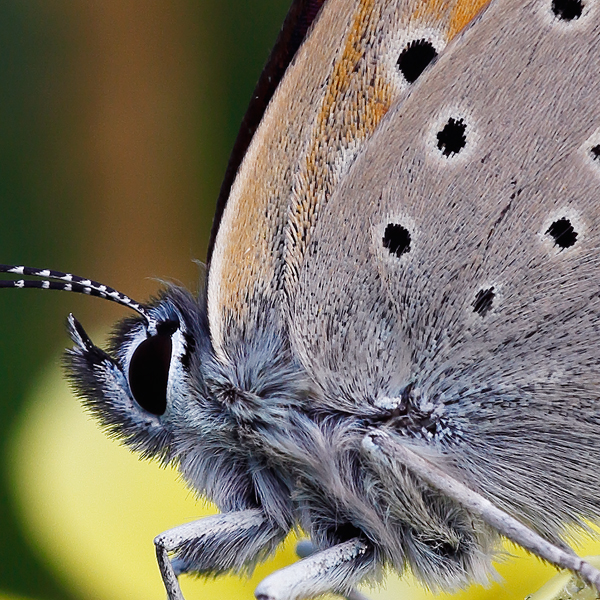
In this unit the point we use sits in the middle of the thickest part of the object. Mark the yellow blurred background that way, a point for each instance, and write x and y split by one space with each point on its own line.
116 121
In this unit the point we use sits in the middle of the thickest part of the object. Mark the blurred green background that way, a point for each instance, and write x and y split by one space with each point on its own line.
116 122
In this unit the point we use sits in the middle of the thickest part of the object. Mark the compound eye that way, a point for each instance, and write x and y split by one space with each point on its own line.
149 373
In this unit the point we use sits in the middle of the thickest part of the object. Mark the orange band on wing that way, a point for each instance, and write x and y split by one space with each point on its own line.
357 97
463 13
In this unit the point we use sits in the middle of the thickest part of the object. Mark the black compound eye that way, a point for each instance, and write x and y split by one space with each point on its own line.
149 373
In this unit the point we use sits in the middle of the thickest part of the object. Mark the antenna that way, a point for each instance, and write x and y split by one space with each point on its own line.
66 282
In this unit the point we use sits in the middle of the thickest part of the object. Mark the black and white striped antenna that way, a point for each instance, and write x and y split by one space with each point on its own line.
66 282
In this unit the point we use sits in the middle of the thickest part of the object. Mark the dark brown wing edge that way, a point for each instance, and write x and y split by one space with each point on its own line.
295 27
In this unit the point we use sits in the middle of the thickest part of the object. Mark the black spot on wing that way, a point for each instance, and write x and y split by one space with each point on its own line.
451 139
483 301
563 232
414 59
396 239
567 10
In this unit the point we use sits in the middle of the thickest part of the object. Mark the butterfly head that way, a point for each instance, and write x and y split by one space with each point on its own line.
137 387
134 388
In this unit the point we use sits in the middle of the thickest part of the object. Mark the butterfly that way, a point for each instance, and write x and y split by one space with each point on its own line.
395 348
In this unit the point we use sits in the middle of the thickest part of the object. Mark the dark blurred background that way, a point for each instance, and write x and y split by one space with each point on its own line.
116 121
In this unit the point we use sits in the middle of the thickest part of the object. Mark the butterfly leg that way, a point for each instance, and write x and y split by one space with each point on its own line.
220 543
306 548
383 447
335 569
